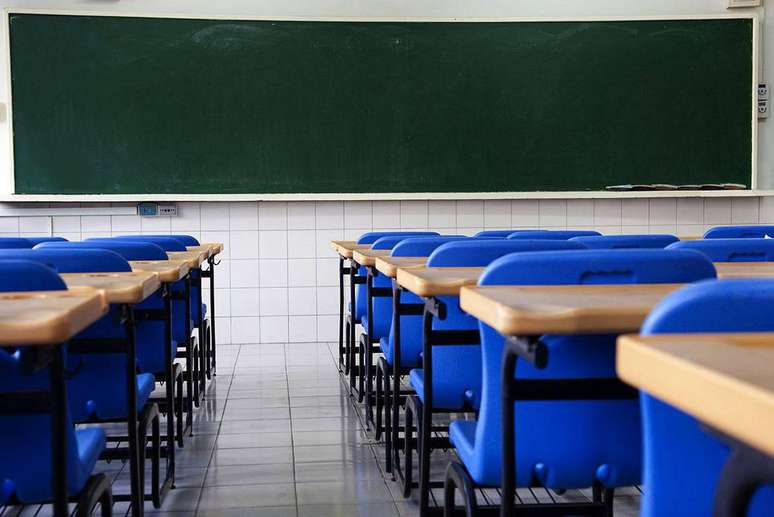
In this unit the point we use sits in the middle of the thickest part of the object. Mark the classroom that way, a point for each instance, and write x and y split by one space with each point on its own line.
316 258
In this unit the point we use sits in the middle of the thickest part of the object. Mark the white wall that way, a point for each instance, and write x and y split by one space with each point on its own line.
277 281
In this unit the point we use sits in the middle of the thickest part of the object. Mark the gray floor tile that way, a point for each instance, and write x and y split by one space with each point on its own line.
255 426
259 456
349 437
345 510
338 492
341 453
326 471
249 475
239 441
283 511
248 496
266 413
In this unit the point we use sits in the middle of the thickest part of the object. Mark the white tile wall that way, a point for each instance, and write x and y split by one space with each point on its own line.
277 277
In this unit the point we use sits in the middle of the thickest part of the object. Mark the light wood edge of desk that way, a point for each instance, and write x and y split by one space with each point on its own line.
421 287
61 329
194 262
367 259
561 321
726 404
177 269
390 270
135 293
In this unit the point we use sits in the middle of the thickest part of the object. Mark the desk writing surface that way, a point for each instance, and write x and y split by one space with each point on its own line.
126 287
48 317
564 309
367 257
724 380
389 266
346 248
729 270
194 258
210 248
167 270
438 281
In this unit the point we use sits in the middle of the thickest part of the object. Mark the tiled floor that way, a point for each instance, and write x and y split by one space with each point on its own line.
278 436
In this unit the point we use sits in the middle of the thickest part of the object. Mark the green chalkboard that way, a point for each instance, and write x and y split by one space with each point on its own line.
161 105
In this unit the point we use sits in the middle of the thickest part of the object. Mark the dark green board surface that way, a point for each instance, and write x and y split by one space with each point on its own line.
143 105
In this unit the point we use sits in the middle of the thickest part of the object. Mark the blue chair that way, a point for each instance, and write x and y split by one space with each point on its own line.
130 251
381 307
682 461
612 242
15 242
552 234
602 447
731 250
97 391
187 240
456 369
26 454
500 233
740 232
37 240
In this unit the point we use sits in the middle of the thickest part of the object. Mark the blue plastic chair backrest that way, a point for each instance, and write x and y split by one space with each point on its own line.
390 241
552 234
500 233
371 237
26 275
740 232
37 240
187 240
731 250
423 246
127 249
72 260
612 242
479 253
680 457
166 243
15 242
541 427
25 462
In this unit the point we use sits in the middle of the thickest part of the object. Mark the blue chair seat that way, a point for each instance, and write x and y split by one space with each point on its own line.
90 442
460 384
106 404
462 435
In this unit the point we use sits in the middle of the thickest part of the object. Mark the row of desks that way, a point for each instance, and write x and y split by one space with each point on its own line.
726 381
48 319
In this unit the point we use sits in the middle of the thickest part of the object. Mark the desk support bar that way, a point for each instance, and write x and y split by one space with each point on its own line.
58 385
434 308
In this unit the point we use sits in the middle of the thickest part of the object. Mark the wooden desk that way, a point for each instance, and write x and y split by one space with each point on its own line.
46 318
724 380
129 287
367 257
565 309
728 270
193 258
169 271
438 281
389 266
346 248
209 248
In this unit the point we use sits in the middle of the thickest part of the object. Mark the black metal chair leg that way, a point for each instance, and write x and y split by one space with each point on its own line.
379 400
97 490
411 410
457 478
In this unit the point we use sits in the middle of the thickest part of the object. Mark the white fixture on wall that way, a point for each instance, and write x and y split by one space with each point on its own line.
734 4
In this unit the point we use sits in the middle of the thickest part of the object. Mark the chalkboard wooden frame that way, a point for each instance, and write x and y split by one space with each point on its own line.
10 189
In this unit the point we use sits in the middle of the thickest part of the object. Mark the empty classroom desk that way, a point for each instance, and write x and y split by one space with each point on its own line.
723 380
46 320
